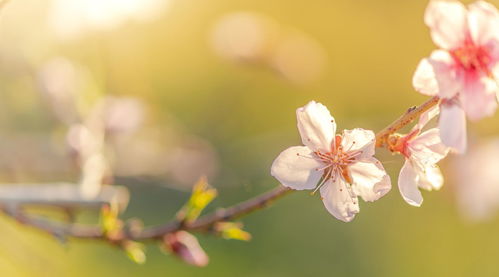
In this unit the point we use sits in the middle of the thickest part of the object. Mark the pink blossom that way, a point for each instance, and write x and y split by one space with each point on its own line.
186 247
464 71
421 151
477 182
341 166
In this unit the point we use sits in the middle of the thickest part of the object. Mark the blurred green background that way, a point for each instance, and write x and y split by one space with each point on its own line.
356 57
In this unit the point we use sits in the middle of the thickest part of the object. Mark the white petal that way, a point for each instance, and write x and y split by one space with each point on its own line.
427 148
316 125
370 180
295 168
408 185
359 140
483 21
448 23
338 200
424 79
431 178
452 124
479 98
426 117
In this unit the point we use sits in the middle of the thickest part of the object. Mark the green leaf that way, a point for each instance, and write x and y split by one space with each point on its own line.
202 195
135 251
232 230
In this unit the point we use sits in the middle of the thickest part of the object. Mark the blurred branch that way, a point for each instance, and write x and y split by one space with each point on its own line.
62 195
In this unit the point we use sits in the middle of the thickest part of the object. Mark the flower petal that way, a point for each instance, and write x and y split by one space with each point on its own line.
452 124
408 185
483 22
431 178
359 140
338 200
427 148
448 23
426 117
316 125
424 79
295 168
370 180
479 98
437 75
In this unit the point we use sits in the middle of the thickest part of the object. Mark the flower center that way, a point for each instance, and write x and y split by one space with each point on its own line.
472 58
337 161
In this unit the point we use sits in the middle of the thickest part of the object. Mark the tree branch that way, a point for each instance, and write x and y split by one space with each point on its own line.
206 222
410 115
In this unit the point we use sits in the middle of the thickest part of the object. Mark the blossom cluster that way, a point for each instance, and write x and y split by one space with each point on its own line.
463 73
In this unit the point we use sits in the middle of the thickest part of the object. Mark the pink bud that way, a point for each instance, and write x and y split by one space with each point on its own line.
187 248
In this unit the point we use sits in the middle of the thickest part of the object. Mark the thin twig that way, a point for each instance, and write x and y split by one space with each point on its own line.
204 223
410 115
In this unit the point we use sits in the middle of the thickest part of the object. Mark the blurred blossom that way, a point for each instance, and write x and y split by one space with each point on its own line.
246 36
299 58
121 114
58 79
477 181
69 18
83 141
94 171
88 145
242 36
145 153
150 151
186 247
191 159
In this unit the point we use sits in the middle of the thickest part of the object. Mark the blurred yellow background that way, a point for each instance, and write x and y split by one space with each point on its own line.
220 81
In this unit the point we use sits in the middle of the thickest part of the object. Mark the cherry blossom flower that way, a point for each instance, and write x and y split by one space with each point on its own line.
477 182
342 167
464 71
421 151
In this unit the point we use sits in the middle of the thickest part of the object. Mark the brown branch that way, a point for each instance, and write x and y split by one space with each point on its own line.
410 115
204 223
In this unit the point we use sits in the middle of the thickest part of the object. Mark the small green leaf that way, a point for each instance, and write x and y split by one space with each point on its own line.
232 230
109 219
202 195
135 251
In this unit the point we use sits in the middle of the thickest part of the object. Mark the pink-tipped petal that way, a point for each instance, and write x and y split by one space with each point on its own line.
370 180
483 21
316 125
408 185
359 140
445 72
339 201
448 23
452 124
479 98
295 168
437 75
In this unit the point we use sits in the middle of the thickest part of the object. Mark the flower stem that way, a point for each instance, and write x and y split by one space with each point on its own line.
206 222
410 115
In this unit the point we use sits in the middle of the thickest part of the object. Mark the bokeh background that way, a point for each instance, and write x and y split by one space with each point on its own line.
220 81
